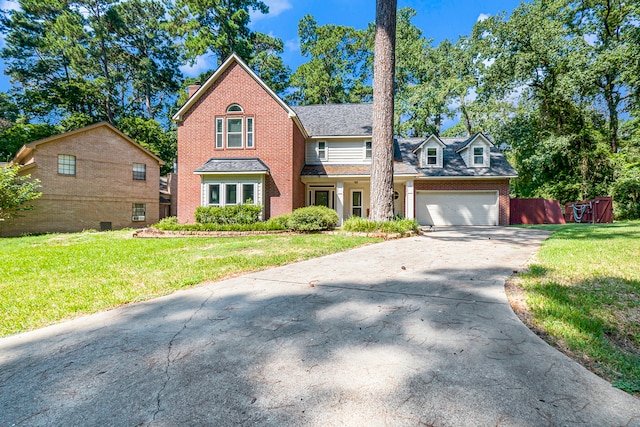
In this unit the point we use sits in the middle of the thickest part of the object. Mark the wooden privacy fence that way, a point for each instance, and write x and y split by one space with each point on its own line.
596 211
535 211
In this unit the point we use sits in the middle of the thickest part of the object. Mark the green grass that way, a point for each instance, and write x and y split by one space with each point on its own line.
584 292
44 279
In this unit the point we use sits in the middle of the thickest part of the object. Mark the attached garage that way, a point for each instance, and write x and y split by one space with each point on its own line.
457 207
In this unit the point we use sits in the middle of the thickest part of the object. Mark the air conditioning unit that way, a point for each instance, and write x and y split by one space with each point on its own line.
137 218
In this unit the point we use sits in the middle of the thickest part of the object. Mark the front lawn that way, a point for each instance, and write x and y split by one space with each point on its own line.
583 295
44 279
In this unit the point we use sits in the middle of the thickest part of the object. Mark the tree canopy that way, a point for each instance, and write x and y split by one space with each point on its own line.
555 83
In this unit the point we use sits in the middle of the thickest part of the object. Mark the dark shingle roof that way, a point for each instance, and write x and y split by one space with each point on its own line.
336 119
453 165
233 165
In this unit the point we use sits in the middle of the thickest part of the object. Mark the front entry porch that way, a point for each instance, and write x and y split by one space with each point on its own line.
351 197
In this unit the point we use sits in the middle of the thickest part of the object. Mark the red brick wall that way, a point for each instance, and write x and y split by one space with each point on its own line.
501 185
277 143
103 189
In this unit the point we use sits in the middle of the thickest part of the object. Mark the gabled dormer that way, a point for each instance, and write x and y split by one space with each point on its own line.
476 152
430 152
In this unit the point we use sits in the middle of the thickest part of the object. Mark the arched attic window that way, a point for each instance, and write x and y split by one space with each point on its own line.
234 108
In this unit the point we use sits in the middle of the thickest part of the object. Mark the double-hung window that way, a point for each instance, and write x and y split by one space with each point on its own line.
367 150
234 132
139 171
432 156
478 156
322 150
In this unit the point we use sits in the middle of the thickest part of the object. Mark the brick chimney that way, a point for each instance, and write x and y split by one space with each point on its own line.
193 88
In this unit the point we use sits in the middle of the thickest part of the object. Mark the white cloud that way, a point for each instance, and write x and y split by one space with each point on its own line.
9 5
292 45
276 7
203 63
483 16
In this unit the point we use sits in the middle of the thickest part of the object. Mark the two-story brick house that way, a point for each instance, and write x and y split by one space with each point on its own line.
95 178
238 141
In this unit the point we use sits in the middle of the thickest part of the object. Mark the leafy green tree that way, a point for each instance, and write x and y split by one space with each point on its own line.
220 27
151 58
339 65
104 59
154 137
626 193
15 136
16 192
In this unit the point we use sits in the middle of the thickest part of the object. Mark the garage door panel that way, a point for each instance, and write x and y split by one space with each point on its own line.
457 208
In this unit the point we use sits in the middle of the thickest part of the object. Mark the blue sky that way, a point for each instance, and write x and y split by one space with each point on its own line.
438 19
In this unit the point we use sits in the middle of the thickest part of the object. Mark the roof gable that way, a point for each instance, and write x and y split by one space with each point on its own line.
28 148
477 137
430 138
233 59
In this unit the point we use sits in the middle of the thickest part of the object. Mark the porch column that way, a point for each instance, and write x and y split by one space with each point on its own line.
409 200
340 201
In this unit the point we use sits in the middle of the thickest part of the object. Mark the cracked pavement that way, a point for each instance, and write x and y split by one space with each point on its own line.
411 332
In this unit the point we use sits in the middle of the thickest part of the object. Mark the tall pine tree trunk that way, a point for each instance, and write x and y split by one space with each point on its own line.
383 85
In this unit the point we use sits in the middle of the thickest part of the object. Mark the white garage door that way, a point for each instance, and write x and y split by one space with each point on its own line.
457 208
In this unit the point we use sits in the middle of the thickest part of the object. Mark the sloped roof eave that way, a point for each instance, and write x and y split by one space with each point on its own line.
233 58
27 148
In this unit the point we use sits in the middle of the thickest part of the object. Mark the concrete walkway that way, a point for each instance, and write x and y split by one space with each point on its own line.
413 332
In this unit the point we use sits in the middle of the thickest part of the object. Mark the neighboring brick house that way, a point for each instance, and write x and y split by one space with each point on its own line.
91 178
238 141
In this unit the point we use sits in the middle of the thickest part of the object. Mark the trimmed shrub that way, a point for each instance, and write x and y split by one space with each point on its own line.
363 225
312 218
233 214
167 223
257 226
279 222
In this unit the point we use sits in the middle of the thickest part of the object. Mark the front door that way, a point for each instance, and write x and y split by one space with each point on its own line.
322 198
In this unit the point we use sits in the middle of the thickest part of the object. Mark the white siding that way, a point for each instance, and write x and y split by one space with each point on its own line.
467 154
338 152
423 154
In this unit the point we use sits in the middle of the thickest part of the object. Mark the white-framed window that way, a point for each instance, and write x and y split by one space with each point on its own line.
214 194
66 164
249 132
367 150
139 172
478 155
431 156
139 212
234 108
322 150
219 132
231 193
249 193
234 132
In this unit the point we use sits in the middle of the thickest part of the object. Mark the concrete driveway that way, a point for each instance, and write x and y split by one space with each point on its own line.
413 332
